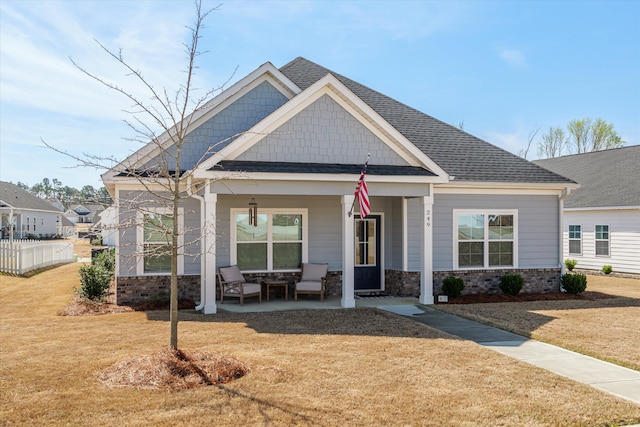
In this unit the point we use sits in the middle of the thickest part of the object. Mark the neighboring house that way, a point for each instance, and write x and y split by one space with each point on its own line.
56 204
443 202
68 229
25 216
83 214
107 225
601 221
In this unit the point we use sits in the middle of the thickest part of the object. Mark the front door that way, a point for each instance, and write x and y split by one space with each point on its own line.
367 253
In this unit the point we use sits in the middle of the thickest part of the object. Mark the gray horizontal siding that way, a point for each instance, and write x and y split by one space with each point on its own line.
325 230
538 229
127 233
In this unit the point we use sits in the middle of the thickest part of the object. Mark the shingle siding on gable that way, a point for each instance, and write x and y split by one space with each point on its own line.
248 110
324 132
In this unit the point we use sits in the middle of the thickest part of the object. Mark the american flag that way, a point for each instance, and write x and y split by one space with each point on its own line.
362 193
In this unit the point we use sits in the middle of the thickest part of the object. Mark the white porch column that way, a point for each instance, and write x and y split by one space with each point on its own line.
209 258
426 249
405 235
348 257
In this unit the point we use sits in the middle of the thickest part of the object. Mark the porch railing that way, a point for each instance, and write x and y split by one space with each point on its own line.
22 256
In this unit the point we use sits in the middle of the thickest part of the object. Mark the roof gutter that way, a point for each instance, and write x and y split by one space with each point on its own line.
203 244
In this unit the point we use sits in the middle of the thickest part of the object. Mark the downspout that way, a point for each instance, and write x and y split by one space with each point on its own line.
203 247
565 193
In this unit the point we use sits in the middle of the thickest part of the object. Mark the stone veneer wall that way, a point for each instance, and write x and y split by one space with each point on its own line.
407 283
138 289
536 280
334 280
402 283
134 290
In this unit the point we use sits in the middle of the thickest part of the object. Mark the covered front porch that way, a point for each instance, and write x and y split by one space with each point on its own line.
394 241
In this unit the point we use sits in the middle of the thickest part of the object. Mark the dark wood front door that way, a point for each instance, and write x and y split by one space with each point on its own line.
367 254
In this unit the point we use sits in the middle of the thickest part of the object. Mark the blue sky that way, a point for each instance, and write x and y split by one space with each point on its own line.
502 68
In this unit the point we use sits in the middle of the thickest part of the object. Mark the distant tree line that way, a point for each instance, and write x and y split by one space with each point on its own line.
53 189
580 136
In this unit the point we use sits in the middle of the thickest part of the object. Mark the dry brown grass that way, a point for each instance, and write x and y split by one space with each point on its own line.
321 368
81 247
606 328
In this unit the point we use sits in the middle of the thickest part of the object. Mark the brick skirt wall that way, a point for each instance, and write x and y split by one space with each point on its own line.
138 289
536 280
135 290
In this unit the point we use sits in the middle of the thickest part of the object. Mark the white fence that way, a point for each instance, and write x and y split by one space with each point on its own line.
21 256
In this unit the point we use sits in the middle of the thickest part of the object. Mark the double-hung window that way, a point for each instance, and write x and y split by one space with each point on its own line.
602 240
155 227
278 242
575 239
485 239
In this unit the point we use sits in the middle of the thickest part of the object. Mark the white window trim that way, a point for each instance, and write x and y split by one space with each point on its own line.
485 212
140 240
569 239
233 250
608 240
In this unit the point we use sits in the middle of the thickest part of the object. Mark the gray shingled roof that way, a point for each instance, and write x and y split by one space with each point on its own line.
326 168
16 197
460 154
606 178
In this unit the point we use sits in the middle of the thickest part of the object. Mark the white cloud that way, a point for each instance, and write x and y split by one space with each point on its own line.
514 58
514 142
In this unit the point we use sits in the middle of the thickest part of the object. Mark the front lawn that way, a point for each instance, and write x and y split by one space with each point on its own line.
321 368
605 328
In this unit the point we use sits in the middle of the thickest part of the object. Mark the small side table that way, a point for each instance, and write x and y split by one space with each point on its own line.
278 283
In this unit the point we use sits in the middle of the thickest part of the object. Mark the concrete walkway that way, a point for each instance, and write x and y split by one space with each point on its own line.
605 376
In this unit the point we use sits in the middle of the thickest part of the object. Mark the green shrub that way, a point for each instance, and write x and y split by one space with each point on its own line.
94 282
607 269
452 286
97 240
95 277
570 264
574 283
511 284
106 259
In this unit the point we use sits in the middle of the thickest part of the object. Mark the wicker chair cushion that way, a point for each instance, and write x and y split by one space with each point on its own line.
231 274
313 272
251 288
309 286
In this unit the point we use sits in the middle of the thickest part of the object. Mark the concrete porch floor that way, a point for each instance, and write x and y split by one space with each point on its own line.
308 302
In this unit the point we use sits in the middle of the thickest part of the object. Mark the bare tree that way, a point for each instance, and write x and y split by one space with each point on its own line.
525 152
553 143
586 135
603 136
165 180
579 134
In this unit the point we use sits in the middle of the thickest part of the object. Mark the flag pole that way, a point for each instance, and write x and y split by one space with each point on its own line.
363 170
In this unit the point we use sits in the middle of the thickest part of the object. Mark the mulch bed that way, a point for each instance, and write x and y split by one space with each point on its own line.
173 370
551 296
